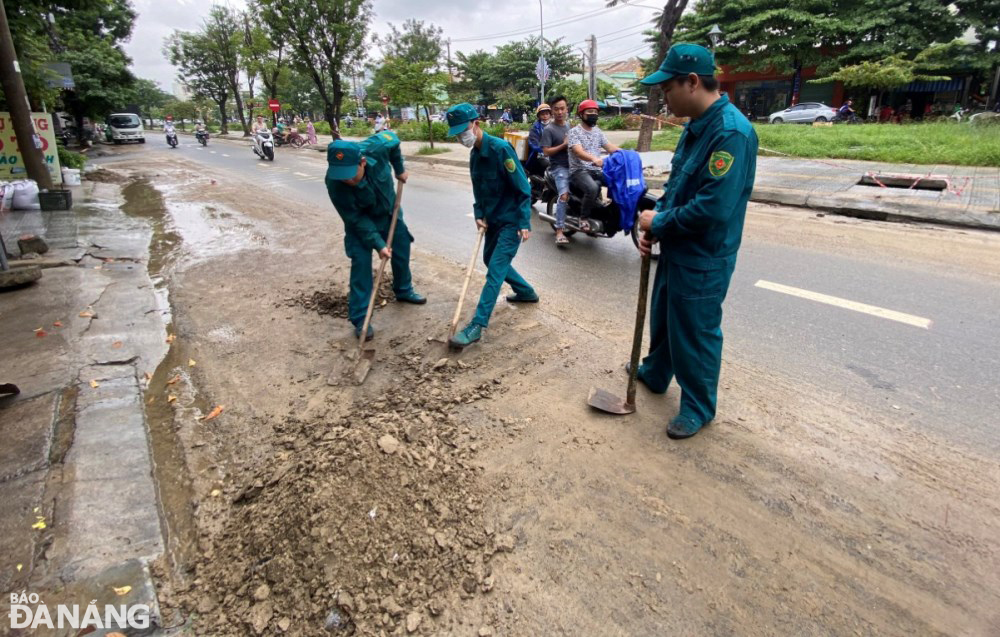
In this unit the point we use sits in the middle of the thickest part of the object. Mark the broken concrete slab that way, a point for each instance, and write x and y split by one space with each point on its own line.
26 431
32 243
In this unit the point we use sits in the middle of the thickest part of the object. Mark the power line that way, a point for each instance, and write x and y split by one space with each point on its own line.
646 24
628 52
532 29
622 37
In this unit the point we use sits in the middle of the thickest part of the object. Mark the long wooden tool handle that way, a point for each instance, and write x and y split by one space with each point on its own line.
381 269
465 286
640 323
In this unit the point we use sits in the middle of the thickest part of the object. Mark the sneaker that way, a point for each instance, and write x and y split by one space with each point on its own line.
467 336
683 427
517 298
411 297
371 332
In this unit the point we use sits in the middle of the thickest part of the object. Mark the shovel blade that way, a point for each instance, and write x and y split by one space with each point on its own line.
608 402
364 364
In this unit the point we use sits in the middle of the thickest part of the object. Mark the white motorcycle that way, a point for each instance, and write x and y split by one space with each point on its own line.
263 145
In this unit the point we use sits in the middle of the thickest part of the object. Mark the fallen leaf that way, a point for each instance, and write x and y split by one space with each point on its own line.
94 384
171 338
86 314
40 524
191 362
216 493
57 324
151 399
19 567
117 345
174 380
40 333
214 413
171 398
122 590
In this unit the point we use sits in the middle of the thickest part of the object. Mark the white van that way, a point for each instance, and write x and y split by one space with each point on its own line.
125 127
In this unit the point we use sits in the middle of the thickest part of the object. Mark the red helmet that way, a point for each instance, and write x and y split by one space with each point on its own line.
585 104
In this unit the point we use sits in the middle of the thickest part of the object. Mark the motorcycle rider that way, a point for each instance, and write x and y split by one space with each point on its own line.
585 143
846 112
554 146
168 127
260 125
543 114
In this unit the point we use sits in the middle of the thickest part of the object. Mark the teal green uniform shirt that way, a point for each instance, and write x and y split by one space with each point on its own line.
367 207
501 189
700 215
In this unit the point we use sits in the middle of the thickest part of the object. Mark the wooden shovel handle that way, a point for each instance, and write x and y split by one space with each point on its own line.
465 285
381 269
640 323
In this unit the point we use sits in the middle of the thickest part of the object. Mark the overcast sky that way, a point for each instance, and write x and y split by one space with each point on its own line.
617 29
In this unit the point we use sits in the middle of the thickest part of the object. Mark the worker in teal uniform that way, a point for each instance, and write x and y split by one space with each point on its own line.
699 224
359 182
502 206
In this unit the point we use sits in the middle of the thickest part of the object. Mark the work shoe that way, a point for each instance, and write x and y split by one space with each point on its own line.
371 332
411 297
517 298
638 377
467 336
683 427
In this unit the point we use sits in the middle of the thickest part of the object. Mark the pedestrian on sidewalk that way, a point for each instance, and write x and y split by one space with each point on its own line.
699 224
360 184
502 208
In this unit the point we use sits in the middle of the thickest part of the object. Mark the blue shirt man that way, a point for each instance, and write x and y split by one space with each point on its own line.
699 225
359 180
502 209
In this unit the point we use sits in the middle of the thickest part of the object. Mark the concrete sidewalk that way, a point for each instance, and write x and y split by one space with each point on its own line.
970 197
78 504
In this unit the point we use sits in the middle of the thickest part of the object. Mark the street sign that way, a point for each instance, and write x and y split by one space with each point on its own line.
385 99
542 69
274 105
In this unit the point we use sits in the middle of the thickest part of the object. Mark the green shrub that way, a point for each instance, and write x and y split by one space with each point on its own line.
359 129
615 122
987 119
427 150
322 127
69 159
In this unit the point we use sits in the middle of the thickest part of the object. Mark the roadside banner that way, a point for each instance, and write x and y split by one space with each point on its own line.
11 162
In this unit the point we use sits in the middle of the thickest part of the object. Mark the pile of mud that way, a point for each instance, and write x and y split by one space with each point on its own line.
106 176
333 302
365 524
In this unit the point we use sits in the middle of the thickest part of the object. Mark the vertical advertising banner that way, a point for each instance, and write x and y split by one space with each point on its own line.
11 162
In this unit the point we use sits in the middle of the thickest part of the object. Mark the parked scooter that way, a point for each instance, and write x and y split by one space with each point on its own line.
605 219
202 136
263 145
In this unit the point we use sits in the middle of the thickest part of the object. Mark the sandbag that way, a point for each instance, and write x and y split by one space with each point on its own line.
6 195
26 195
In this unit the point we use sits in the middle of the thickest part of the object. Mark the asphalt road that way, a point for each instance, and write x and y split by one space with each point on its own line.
909 340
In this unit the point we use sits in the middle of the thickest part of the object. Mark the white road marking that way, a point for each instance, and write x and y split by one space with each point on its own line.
302 174
864 308
470 215
225 155
212 151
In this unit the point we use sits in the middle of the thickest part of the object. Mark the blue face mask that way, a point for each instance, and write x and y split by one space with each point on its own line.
467 137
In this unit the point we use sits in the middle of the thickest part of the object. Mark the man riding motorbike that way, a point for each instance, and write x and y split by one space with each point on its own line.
169 131
846 112
585 143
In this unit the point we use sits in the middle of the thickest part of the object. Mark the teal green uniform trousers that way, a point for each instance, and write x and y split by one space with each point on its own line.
498 253
361 267
685 339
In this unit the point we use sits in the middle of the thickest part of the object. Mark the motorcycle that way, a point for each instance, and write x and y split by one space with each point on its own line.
172 139
263 145
292 138
605 218
535 170
202 137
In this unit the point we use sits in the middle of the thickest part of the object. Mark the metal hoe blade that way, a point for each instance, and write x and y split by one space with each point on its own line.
364 364
610 403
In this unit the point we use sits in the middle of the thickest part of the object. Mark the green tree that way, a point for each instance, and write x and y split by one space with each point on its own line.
414 42
223 33
576 92
148 96
511 65
882 75
413 83
201 69
326 39
298 90
181 110
264 55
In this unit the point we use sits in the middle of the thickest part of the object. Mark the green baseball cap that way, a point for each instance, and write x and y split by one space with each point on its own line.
683 59
459 117
342 159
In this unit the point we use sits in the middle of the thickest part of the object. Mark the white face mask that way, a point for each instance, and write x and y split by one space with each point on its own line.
467 137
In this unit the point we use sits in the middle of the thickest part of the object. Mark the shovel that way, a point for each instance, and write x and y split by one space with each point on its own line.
604 400
465 286
366 351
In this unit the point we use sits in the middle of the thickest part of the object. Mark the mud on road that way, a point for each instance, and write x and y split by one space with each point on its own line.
476 494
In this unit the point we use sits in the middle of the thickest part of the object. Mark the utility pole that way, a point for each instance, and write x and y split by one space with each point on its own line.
20 109
592 84
451 78
541 48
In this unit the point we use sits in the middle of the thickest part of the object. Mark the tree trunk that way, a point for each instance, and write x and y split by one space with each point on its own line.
430 125
224 130
671 14
239 108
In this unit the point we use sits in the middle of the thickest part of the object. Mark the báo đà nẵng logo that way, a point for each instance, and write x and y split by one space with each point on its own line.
29 611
